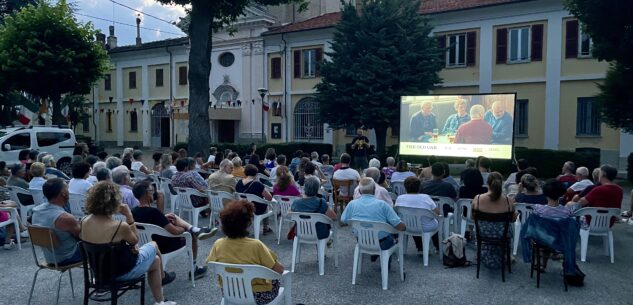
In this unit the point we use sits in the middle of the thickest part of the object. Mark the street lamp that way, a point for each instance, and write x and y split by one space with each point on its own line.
262 93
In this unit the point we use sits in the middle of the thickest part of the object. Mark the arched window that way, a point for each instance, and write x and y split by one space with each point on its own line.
307 124
133 121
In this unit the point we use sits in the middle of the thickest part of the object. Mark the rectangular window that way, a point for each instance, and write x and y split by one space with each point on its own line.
182 76
109 121
132 80
521 119
85 123
133 121
51 138
275 68
519 50
159 77
584 44
456 55
587 117
309 63
107 82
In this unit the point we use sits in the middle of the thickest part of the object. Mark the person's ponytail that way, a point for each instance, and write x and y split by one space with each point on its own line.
495 184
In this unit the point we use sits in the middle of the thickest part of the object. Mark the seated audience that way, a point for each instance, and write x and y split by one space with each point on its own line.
95 168
582 182
472 180
238 248
402 172
390 168
281 161
37 175
157 166
113 162
553 190
568 176
295 161
312 203
18 173
284 183
269 159
102 155
346 173
301 170
188 178
103 174
380 192
166 166
238 169
254 160
145 213
99 227
137 164
79 184
121 176
529 191
492 202
221 179
413 199
127 160
606 195
49 162
522 165
51 214
448 178
437 186
314 158
484 165
250 185
325 167
9 231
311 170
595 177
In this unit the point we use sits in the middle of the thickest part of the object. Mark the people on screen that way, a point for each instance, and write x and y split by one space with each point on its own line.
422 122
501 123
476 131
457 119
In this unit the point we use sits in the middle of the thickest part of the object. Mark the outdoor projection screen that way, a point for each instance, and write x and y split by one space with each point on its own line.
457 125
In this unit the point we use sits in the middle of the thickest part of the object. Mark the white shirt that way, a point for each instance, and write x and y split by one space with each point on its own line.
317 163
346 174
79 186
400 176
419 201
92 179
273 173
211 158
173 169
380 193
581 185
136 165
37 183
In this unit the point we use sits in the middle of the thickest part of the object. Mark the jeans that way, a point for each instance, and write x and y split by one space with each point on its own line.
558 234
387 242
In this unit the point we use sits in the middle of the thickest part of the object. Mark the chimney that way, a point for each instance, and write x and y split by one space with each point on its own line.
100 38
138 31
111 38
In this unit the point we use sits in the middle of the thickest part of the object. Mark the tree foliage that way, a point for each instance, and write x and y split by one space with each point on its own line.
8 7
378 55
610 26
46 53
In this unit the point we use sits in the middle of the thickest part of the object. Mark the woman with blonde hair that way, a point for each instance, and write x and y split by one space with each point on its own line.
285 183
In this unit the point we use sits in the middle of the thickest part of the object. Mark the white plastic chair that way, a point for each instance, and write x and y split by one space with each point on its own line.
414 219
266 181
397 187
237 288
170 193
184 204
25 210
77 205
13 220
306 233
284 203
368 242
524 210
441 201
467 205
38 196
217 199
145 232
138 175
600 225
257 220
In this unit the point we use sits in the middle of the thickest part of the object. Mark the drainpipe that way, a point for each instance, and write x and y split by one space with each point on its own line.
283 54
171 94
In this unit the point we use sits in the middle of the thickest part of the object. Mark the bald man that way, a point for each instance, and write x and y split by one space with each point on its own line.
501 123
477 131
422 122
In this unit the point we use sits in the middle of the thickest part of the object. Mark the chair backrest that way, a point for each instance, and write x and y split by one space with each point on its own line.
441 201
415 218
98 261
264 180
524 210
13 216
306 224
77 204
503 218
398 188
285 203
600 218
218 199
44 238
14 191
367 233
346 186
183 199
138 175
465 205
327 185
236 281
252 198
38 196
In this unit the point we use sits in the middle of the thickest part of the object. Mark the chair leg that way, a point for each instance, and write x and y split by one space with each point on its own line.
532 262
114 296
538 267
611 246
281 223
295 246
72 288
355 266
426 238
256 227
321 254
503 264
384 269
33 284
59 286
517 234
194 217
584 240
478 257
509 257
143 291
193 268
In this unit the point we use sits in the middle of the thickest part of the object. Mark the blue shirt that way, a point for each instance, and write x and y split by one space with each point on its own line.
501 128
370 208
453 122
420 124
313 205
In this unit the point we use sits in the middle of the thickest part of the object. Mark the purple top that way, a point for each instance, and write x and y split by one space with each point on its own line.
291 190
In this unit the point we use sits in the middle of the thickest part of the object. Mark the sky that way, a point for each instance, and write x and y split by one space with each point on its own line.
152 29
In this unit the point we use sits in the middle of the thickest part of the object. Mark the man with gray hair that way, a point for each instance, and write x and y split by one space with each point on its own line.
103 174
379 191
370 208
121 176
222 179
501 123
93 175
582 178
476 131
314 158
51 170
113 162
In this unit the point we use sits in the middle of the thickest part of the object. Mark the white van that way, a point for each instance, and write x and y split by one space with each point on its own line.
60 142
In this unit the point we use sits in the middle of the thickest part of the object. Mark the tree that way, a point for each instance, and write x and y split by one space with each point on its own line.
207 16
46 53
378 55
8 7
610 26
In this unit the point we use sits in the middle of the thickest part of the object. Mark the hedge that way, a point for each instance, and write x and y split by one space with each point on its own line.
287 149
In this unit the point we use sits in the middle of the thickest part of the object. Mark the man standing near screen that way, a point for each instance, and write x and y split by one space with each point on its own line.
422 123
477 131
501 123
360 147
456 119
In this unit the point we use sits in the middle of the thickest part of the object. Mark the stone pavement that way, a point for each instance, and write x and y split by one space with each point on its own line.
605 283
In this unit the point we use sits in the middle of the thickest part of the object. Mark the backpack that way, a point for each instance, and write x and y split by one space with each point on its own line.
455 243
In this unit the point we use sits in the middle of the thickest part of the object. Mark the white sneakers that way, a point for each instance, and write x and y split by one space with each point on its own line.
24 234
166 303
9 246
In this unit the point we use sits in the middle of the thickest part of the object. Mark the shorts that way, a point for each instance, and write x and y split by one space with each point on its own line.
146 256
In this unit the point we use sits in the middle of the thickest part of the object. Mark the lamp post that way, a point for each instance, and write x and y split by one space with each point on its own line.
262 93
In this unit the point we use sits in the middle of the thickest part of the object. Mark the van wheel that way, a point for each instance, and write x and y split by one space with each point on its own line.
64 166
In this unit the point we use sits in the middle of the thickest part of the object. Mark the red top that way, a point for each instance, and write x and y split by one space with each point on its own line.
568 179
605 196
474 132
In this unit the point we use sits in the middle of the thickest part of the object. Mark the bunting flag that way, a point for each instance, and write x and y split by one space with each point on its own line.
25 115
265 106
131 101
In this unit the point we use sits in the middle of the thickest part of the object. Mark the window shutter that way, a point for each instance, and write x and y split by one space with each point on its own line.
537 42
471 48
571 39
275 67
297 63
318 56
502 45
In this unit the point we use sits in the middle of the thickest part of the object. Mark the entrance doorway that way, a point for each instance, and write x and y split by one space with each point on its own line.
226 131
160 126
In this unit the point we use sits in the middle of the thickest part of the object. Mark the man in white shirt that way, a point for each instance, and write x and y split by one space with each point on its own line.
121 176
346 173
380 192
79 184
314 158
582 178
137 164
